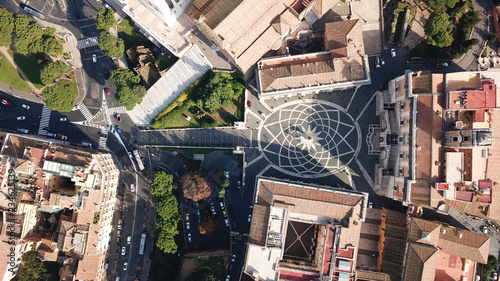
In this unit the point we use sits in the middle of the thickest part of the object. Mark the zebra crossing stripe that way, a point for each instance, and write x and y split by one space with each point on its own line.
44 120
85 111
103 141
82 44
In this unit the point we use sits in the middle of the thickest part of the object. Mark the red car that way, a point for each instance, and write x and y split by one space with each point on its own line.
249 104
6 102
118 117
115 61
107 91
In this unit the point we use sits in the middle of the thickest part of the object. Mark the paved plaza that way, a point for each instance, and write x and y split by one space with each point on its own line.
309 138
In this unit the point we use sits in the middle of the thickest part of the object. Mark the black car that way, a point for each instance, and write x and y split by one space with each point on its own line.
102 135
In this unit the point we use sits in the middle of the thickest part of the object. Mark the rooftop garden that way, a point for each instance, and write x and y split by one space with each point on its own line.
215 99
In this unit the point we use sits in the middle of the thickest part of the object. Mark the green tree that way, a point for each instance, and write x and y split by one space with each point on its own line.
52 47
49 32
162 184
53 70
6 27
468 21
111 45
123 77
167 207
139 90
492 37
225 183
165 240
34 268
438 30
438 4
208 225
126 97
105 19
222 192
489 266
60 97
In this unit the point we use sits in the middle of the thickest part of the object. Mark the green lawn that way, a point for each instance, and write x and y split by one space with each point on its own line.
131 35
11 77
30 67
164 62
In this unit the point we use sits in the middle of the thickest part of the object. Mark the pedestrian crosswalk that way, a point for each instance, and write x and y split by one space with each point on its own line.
102 141
85 111
116 110
87 42
44 120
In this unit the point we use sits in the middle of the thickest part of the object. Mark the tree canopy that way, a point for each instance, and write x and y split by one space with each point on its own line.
128 94
208 225
105 19
34 268
438 4
53 70
438 29
196 187
6 27
32 38
60 97
114 47
166 226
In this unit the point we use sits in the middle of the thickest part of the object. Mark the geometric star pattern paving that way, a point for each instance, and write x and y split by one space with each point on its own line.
309 138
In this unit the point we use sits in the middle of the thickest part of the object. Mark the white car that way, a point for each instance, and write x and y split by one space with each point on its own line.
124 251
222 205
228 277
189 237
132 187
51 135
64 137
130 156
227 222
226 174
485 230
94 58
393 53
129 240
187 226
233 258
125 266
24 131
63 119
21 117
26 106
370 205
250 218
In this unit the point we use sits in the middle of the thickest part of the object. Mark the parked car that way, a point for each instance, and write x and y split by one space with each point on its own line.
52 135
212 209
129 240
485 229
189 237
118 129
21 117
115 61
239 184
94 57
222 205
393 53
130 156
226 174
132 187
441 64
233 258
123 180
249 104
211 201
249 217
63 119
106 90
124 251
377 62
26 106
187 225
228 277
226 221
63 137
125 266
6 102
118 117
370 205
24 131
224 213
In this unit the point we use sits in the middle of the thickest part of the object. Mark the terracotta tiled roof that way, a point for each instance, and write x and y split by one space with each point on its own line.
454 241
258 228
420 262
364 275
341 198
421 193
337 37
429 131
322 6
493 166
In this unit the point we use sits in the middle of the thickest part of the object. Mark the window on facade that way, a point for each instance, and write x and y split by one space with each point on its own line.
396 188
